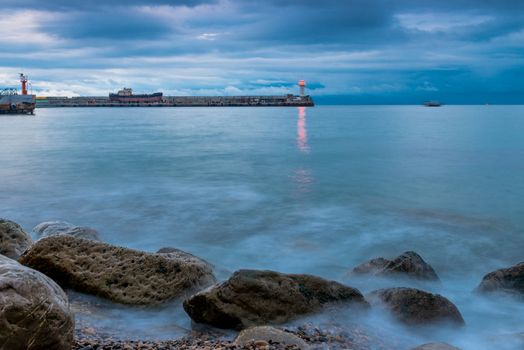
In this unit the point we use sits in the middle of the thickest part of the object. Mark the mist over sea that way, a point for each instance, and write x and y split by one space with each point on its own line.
299 190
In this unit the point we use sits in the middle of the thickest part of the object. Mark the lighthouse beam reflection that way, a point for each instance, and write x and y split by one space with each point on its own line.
302 176
302 142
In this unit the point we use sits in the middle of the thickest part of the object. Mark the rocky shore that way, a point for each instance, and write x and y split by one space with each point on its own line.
259 304
309 337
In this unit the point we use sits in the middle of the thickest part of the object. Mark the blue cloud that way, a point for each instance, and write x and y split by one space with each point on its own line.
115 24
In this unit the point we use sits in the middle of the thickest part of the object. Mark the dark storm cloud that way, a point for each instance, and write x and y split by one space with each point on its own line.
109 23
346 23
364 49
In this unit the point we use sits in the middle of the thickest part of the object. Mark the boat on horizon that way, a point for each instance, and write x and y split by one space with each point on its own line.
432 104
126 95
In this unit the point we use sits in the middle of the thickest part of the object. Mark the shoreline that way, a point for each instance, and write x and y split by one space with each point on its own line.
328 337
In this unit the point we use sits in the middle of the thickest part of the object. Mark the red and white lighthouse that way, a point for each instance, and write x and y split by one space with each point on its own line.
302 85
23 80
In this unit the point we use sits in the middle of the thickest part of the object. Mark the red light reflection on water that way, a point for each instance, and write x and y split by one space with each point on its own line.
303 179
301 131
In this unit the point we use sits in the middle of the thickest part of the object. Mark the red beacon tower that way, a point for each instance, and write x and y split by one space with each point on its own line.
302 85
23 80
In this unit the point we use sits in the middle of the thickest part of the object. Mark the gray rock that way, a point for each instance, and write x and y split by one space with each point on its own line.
51 228
269 334
34 311
47 228
408 264
13 239
509 280
412 265
371 266
416 307
254 297
120 274
435 346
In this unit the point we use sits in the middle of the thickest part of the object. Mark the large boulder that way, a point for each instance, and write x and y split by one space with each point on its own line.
270 335
509 280
254 297
416 307
34 311
177 254
51 228
13 239
435 346
408 264
120 274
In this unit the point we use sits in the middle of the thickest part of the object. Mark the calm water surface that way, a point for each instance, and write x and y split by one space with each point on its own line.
310 190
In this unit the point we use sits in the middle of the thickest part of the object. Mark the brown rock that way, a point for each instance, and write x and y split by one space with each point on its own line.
261 345
409 264
435 346
269 334
119 274
255 297
509 280
178 254
13 239
416 307
34 311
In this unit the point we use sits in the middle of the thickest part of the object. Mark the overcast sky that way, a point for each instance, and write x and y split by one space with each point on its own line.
348 51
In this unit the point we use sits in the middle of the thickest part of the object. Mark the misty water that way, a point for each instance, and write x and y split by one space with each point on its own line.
299 190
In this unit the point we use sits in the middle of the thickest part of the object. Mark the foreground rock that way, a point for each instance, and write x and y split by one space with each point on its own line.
409 264
269 335
415 307
253 297
509 280
34 311
435 346
119 274
180 255
13 239
51 228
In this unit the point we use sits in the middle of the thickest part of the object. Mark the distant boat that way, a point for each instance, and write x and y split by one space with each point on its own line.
432 104
126 96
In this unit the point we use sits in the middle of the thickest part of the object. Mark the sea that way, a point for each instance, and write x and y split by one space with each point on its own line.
298 190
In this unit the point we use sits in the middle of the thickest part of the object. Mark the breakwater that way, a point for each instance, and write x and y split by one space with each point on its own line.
180 101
